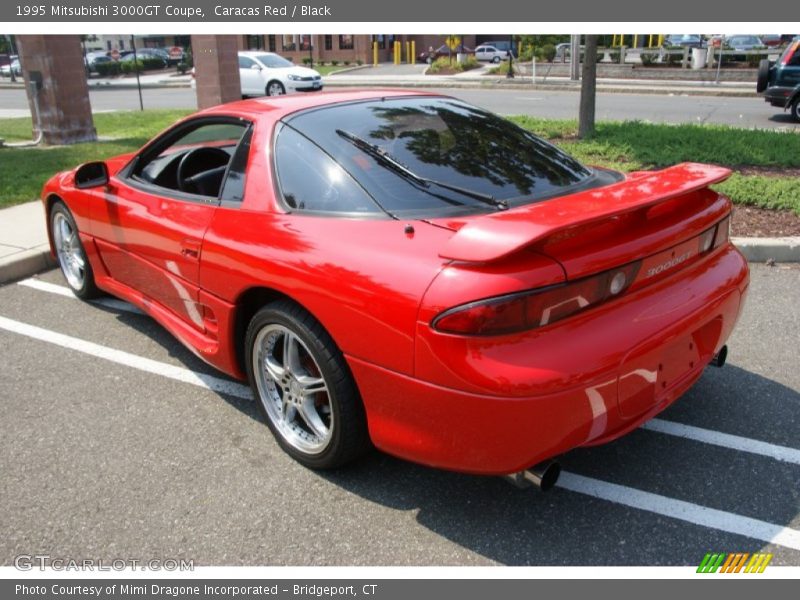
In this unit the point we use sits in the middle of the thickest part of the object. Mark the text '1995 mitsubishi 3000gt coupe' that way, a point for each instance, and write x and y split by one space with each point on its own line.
410 272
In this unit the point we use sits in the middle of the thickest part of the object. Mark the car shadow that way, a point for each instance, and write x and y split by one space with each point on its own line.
784 117
491 518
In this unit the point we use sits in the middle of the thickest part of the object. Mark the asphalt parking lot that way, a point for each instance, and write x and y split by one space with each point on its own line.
116 442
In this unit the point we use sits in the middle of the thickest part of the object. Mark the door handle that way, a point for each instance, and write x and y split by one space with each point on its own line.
190 248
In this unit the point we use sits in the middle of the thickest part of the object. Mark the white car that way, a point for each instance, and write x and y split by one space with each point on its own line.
5 70
266 73
490 53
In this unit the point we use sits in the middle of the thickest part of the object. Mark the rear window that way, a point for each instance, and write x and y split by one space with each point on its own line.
445 140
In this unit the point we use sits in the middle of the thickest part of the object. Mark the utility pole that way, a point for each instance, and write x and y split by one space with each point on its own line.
588 89
575 58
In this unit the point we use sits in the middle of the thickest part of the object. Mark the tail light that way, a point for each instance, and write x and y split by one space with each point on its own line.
535 308
531 309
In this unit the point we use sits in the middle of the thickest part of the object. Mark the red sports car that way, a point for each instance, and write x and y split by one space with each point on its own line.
407 271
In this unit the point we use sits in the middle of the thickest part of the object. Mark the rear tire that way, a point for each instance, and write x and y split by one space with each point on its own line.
70 253
763 76
496 59
304 388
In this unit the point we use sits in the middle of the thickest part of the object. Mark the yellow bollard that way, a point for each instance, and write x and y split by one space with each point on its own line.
397 53
408 52
413 52
636 40
375 54
650 41
660 39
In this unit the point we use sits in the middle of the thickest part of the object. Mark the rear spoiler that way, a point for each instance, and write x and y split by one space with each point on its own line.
494 236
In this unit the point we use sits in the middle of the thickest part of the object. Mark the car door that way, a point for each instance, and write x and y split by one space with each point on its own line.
149 228
250 76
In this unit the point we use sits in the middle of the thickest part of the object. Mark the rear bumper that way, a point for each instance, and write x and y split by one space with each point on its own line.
622 366
778 95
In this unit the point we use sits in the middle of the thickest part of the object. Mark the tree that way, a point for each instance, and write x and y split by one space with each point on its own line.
588 88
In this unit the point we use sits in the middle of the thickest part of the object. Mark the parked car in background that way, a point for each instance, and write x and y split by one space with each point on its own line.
173 55
14 66
444 50
771 40
491 53
153 54
93 59
743 42
266 73
780 81
686 40
406 271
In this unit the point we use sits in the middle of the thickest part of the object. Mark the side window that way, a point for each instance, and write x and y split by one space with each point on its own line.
192 160
310 180
245 62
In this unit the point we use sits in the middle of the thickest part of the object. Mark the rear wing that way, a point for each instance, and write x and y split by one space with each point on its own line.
494 236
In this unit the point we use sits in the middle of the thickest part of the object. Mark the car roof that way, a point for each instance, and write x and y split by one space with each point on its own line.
277 107
255 53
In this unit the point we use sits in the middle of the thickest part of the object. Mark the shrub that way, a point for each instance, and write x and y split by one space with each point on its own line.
346 63
334 63
444 64
307 61
359 62
753 59
648 58
108 69
545 53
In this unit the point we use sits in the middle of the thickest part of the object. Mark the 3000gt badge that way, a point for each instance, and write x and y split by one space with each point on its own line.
668 264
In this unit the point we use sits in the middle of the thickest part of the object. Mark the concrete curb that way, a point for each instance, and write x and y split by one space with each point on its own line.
549 87
782 249
25 263
756 250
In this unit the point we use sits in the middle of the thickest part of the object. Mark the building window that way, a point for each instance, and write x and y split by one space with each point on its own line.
108 44
328 42
345 42
254 42
381 39
122 44
289 43
271 42
305 42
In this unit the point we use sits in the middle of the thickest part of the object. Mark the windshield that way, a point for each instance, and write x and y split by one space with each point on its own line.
440 139
273 61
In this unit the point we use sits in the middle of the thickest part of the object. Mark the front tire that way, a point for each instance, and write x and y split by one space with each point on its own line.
796 109
70 253
275 88
304 387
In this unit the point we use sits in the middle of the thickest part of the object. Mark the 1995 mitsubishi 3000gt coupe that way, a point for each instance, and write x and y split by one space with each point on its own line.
410 272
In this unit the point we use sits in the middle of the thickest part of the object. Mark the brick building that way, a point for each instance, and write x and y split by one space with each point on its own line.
352 48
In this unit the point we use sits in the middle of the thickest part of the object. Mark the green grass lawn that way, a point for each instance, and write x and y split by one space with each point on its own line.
633 145
23 171
328 69
626 146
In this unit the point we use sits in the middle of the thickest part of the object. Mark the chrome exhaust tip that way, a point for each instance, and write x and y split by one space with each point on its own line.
542 476
720 357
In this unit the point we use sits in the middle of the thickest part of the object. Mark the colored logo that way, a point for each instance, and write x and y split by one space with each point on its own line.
738 562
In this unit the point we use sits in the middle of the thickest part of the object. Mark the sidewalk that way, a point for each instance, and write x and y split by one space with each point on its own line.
480 78
24 249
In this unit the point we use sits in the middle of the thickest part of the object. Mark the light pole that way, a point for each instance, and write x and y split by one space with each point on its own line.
510 73
310 52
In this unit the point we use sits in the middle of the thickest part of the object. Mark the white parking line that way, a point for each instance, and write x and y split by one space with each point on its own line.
216 384
62 290
627 496
707 436
682 510
726 440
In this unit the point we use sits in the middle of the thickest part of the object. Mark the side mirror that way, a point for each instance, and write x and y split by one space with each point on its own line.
91 175
255 68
